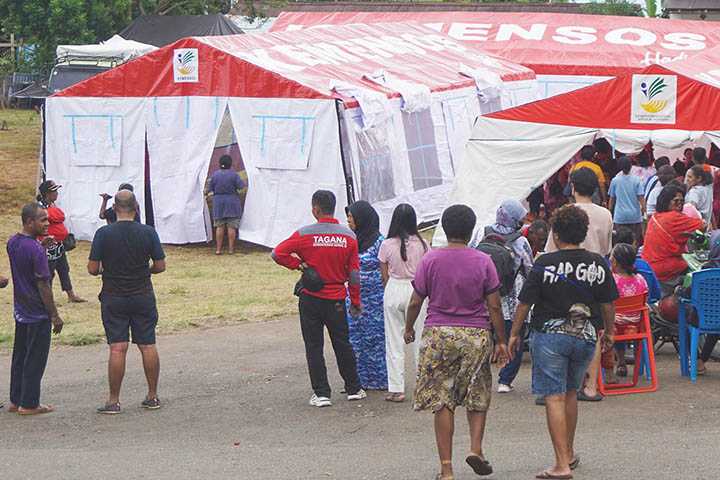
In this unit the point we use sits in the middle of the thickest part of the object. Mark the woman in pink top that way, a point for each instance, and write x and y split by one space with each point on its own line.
399 256
629 284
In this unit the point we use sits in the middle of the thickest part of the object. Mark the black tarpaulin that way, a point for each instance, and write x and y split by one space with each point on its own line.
161 30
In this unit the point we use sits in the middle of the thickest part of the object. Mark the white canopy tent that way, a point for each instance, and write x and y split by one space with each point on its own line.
512 152
376 112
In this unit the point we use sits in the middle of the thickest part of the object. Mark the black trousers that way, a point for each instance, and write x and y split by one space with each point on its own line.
315 315
62 267
29 358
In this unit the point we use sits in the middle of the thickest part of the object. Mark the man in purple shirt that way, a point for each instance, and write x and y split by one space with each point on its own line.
34 311
462 288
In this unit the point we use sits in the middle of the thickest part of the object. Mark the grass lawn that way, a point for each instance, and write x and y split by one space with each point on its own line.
198 289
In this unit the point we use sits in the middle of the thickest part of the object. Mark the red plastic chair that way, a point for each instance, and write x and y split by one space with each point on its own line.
629 305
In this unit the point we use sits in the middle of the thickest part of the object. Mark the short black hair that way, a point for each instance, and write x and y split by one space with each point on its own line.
624 164
680 168
624 235
667 194
699 155
587 152
570 224
325 201
602 146
584 181
661 162
126 186
225 161
666 174
643 159
539 225
30 211
458 221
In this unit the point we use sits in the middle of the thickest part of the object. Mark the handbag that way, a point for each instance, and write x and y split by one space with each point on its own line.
69 243
310 281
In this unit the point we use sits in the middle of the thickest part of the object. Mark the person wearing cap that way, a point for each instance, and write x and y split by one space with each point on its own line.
108 213
58 232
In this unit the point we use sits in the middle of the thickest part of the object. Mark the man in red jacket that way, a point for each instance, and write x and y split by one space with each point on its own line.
331 250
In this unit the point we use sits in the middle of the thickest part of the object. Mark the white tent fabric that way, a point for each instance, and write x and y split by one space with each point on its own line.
278 198
94 137
181 131
115 46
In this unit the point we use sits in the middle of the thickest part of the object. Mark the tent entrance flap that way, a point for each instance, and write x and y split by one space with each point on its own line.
225 144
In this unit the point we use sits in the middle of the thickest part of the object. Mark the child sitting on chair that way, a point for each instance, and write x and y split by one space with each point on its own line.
629 284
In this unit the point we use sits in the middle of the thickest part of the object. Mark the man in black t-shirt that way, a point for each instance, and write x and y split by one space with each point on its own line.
122 252
108 214
572 291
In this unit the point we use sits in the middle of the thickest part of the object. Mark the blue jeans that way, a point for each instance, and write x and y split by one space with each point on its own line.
559 362
509 372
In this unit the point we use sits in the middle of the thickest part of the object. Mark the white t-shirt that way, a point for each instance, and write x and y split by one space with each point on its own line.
701 197
651 203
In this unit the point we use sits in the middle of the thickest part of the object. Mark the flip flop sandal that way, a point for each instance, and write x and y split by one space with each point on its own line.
550 476
12 408
575 463
479 465
584 397
621 371
702 372
41 409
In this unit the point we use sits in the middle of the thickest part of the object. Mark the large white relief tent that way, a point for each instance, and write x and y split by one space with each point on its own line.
512 152
377 112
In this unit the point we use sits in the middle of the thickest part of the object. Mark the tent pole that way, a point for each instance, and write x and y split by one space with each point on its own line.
348 177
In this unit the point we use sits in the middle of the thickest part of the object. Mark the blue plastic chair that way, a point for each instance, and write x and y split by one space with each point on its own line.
705 298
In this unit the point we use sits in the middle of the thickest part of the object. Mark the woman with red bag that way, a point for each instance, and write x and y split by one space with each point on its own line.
56 251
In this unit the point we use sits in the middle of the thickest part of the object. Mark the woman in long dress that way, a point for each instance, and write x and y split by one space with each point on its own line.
367 331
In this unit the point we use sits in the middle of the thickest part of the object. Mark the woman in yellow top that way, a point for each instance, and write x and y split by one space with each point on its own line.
587 154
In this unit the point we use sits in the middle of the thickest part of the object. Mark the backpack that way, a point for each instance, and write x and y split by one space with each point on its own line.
497 247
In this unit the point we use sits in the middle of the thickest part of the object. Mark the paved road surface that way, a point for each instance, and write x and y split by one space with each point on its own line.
235 407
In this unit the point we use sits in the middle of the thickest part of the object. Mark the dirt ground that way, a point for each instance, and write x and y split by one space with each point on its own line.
235 406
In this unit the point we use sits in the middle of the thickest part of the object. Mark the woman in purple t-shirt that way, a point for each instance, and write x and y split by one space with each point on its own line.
225 186
462 288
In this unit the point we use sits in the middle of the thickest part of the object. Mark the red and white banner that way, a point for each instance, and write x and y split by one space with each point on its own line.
549 43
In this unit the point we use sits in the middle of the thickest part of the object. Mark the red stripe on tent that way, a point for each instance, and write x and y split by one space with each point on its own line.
607 105
549 43
302 64
220 74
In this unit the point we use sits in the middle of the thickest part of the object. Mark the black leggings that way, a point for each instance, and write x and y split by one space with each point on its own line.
708 347
62 267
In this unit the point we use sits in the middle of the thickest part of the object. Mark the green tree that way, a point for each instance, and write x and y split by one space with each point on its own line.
45 24
613 7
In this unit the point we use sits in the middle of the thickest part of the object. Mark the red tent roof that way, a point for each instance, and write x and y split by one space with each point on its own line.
660 97
549 43
301 64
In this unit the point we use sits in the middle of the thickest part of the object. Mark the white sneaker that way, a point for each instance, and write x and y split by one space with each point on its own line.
357 396
502 388
316 401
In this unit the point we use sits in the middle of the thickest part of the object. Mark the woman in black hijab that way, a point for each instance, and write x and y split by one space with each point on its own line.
367 331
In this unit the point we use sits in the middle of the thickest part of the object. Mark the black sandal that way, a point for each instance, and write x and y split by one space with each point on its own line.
479 465
110 409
